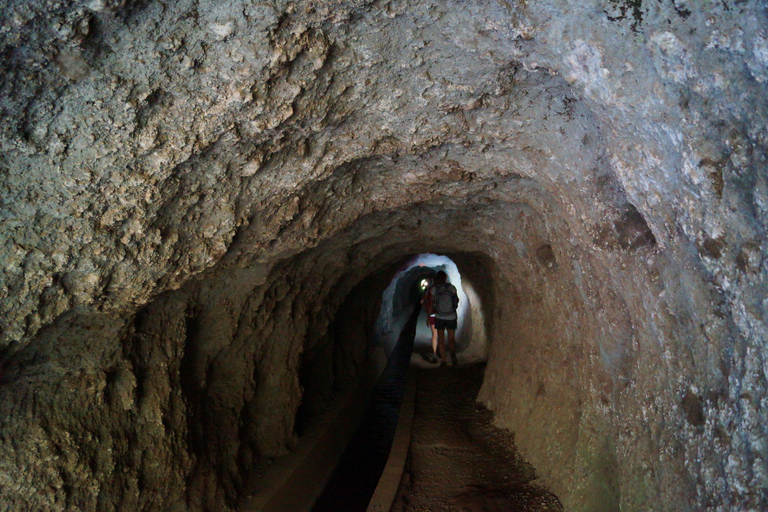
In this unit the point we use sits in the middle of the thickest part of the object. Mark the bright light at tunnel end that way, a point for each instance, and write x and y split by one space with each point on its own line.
388 326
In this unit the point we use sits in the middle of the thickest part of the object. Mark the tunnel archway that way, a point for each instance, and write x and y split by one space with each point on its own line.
404 292
197 198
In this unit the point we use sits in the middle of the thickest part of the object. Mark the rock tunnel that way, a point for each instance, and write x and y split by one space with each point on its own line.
203 202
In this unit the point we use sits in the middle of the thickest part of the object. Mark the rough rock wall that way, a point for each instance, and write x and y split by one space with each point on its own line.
673 361
607 157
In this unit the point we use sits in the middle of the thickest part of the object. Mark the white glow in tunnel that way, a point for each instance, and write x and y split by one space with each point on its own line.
447 265
392 317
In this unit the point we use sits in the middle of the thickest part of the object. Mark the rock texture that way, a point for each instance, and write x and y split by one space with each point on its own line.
198 196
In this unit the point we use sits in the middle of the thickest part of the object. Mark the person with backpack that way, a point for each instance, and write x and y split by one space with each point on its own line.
444 302
426 303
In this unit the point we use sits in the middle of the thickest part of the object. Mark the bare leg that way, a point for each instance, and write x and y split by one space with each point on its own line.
441 344
452 345
434 339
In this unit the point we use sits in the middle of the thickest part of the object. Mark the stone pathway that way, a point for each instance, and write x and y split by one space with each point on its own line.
458 460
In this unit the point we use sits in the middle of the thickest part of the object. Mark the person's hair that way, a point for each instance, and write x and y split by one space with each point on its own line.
441 277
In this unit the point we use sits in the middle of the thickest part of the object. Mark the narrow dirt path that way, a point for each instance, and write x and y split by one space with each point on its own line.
458 460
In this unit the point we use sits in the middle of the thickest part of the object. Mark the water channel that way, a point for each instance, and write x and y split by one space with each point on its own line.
353 482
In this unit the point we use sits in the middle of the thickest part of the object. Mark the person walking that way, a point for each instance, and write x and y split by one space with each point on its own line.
426 303
443 303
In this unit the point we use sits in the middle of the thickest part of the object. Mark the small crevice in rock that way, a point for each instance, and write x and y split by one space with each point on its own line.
546 256
633 231
693 409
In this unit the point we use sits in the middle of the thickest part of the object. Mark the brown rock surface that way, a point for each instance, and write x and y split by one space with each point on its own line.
202 202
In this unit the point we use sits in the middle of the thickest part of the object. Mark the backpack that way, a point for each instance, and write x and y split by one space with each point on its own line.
446 300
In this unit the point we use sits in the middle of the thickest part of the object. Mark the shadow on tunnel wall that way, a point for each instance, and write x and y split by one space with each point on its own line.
347 350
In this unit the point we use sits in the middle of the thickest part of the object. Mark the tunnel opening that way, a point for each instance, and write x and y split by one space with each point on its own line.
407 289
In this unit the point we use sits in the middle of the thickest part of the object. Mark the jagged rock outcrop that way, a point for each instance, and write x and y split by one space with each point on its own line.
196 194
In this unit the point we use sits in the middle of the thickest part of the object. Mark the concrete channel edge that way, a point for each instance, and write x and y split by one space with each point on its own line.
389 483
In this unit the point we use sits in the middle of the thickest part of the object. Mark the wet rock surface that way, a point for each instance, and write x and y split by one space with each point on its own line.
458 460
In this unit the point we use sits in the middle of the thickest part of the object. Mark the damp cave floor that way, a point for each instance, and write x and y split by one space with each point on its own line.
459 461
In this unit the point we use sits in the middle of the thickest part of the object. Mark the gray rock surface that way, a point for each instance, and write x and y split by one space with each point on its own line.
195 195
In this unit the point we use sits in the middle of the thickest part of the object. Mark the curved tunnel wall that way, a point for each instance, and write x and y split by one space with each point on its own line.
195 195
